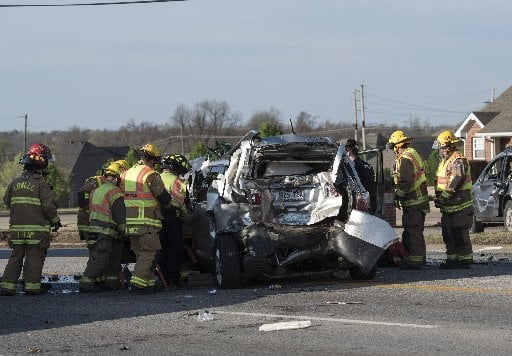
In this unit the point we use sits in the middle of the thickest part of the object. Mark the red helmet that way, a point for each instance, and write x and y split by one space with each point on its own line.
38 155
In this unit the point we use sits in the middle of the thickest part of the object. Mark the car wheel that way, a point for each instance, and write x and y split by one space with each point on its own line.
507 216
477 226
358 275
227 262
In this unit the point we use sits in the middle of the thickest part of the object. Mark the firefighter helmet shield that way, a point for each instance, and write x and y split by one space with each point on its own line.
123 164
445 139
113 169
176 162
38 155
150 150
398 139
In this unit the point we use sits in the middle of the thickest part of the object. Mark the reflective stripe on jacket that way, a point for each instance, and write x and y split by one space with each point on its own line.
100 207
32 208
141 205
460 198
416 193
177 188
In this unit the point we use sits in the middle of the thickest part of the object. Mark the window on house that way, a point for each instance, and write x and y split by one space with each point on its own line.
478 148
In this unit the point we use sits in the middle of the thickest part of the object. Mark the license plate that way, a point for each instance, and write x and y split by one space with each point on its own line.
291 195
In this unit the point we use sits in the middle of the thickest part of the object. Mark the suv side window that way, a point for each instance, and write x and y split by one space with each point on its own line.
508 168
494 171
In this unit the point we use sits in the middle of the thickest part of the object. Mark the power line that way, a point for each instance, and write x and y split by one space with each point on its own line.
91 4
404 105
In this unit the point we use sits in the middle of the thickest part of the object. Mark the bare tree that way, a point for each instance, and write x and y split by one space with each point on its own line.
272 116
304 123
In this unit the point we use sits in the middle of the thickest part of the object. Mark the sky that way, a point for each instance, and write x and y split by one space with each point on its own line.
98 67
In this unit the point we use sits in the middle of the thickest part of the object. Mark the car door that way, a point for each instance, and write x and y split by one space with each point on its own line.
374 157
488 190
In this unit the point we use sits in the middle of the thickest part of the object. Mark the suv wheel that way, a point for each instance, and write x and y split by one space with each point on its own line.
507 216
227 262
358 275
477 226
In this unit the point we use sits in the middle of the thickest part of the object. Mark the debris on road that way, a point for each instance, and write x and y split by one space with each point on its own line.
343 303
286 325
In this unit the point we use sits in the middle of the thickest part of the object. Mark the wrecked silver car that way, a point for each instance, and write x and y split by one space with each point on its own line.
283 206
492 193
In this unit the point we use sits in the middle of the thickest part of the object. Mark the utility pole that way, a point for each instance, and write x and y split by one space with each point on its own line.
363 124
25 137
182 143
355 116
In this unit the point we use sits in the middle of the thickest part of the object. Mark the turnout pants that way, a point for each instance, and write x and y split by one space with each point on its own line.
171 255
413 222
104 263
29 258
455 229
145 247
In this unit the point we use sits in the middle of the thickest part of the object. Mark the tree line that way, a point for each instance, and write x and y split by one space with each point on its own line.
189 130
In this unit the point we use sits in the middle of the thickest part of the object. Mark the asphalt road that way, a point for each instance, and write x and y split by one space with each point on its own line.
432 311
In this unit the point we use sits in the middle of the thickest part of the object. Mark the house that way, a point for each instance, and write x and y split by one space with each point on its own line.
89 161
488 131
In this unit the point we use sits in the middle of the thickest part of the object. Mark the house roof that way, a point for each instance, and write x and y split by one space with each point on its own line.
90 160
501 124
482 118
495 119
502 103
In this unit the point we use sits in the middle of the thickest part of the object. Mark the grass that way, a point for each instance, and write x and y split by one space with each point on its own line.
483 238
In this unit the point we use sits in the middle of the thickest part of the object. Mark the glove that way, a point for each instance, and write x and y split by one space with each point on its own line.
438 202
398 205
56 225
121 229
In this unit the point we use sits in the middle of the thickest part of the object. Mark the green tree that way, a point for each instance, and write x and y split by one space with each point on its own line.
9 170
431 164
199 149
59 184
269 128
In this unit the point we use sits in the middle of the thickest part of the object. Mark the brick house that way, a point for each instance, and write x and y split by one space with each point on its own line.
489 131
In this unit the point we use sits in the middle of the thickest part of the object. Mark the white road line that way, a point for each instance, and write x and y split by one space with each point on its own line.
339 320
490 248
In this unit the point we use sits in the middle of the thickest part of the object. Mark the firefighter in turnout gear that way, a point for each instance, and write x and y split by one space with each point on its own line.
144 195
90 184
107 224
170 259
453 198
411 196
33 213
82 217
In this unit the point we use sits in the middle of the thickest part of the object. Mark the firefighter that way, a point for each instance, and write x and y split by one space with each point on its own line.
107 224
90 184
453 198
144 195
170 259
411 196
82 217
33 214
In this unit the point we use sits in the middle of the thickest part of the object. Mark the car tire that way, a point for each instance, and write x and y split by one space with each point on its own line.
477 226
358 275
507 216
227 262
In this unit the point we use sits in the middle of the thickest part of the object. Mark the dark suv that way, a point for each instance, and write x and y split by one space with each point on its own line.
492 193
285 205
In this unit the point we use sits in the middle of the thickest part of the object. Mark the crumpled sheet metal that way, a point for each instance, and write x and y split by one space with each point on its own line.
370 229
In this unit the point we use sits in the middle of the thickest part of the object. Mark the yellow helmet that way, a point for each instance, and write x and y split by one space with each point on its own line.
398 139
445 139
113 169
123 165
150 150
